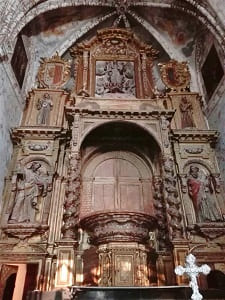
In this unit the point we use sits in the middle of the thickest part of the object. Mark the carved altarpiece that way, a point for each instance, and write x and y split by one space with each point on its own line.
113 172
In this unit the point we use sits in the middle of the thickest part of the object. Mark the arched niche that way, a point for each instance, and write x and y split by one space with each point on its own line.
119 161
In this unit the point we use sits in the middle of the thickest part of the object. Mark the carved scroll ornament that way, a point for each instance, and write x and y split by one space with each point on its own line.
172 200
72 201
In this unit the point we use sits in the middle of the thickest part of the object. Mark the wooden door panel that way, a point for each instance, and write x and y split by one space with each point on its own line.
130 196
104 196
126 169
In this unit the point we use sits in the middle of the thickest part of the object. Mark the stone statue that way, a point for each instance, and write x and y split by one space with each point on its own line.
186 113
201 192
29 183
44 106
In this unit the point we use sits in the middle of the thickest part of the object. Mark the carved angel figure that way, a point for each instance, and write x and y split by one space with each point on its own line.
201 192
29 183
44 106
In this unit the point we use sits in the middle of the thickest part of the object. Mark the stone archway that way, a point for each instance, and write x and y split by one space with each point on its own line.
117 207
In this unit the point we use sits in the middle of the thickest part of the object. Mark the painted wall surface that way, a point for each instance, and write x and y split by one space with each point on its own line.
216 119
10 114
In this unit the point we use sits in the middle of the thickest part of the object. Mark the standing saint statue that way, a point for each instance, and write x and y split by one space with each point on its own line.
201 193
29 183
186 113
44 106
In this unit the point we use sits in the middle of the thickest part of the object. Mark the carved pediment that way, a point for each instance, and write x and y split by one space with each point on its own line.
114 64
115 42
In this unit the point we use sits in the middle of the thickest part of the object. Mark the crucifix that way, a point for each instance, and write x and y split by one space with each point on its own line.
192 270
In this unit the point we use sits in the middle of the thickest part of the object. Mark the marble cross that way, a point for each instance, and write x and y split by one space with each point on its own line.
192 270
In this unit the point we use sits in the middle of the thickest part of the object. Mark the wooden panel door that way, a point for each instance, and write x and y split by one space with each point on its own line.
117 186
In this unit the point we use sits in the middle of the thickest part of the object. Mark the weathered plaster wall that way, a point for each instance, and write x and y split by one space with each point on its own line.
218 6
10 114
216 119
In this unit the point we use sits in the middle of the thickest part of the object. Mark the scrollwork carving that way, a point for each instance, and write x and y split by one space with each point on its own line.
194 150
159 205
72 201
172 200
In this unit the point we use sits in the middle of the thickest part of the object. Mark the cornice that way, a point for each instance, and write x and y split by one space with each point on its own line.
36 132
121 114
194 135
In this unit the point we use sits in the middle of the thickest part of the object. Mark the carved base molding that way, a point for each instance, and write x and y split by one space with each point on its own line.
24 230
208 230
118 227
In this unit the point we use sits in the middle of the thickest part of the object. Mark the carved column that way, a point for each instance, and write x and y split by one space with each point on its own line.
170 190
160 208
144 74
71 205
85 72
66 256
172 201
72 200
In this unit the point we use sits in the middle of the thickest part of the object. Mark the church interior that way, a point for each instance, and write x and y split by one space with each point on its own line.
112 145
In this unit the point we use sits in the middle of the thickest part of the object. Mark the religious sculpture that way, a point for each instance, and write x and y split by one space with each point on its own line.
29 183
44 106
186 113
201 192
115 77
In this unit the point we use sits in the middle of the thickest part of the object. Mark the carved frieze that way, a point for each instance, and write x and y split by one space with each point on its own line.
208 230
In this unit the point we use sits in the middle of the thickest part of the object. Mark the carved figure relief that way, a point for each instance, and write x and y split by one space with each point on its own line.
186 113
28 184
114 78
44 106
200 190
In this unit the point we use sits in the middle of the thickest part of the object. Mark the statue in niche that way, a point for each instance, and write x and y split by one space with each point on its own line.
186 113
200 190
29 183
44 106
115 78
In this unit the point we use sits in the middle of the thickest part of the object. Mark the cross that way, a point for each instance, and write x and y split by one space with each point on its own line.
192 270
